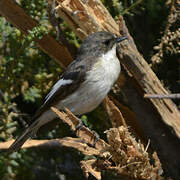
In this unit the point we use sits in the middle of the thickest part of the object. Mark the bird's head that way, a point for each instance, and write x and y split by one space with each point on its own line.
99 43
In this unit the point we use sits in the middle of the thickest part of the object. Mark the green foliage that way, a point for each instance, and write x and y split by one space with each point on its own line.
36 9
31 94
37 32
7 127
128 7
25 76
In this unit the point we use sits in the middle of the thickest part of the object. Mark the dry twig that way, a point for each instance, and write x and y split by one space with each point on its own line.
162 96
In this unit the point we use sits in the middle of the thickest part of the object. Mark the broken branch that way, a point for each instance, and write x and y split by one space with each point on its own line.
162 96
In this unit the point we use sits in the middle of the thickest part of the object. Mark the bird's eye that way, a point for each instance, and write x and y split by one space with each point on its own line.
107 42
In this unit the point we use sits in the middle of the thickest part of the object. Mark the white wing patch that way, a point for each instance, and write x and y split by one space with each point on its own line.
60 83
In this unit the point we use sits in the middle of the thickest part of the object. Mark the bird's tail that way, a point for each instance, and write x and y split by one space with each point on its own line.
29 132
38 120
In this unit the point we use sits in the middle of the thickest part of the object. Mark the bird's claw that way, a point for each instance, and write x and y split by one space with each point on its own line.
96 135
79 126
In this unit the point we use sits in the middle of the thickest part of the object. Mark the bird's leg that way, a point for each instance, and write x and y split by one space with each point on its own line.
80 125
96 135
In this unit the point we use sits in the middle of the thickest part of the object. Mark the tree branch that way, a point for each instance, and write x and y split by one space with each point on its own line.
84 133
162 96
16 15
76 143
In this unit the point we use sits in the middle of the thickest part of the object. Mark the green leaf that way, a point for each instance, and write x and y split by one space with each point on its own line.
32 94
14 163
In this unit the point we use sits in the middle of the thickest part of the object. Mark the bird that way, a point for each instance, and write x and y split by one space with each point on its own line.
84 84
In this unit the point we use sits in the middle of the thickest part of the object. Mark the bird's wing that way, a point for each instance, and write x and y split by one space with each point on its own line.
69 82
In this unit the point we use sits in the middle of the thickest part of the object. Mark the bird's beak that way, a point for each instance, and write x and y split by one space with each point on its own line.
119 39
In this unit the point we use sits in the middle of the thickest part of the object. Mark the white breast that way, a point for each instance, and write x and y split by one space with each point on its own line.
99 82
